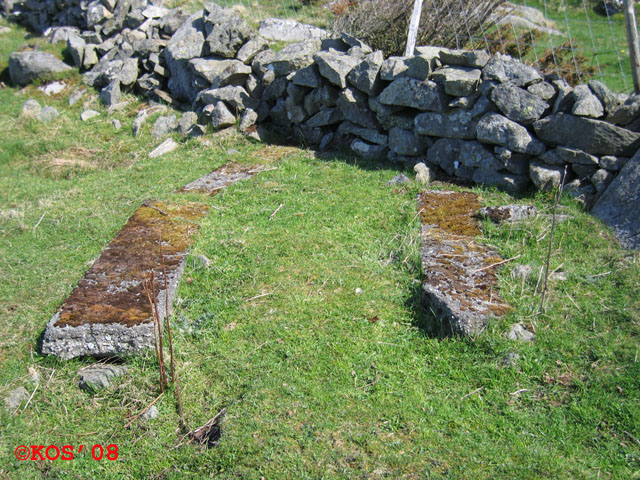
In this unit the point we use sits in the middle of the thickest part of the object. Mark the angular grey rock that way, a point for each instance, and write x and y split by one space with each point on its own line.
99 376
367 134
416 66
521 272
601 179
307 77
96 13
592 136
25 67
289 30
545 177
519 332
401 120
248 119
260 62
251 48
111 94
294 57
75 47
48 114
618 206
509 213
365 75
503 69
496 129
454 154
30 109
14 400
544 90
583 192
573 155
188 120
60 34
613 164
457 123
518 104
586 103
329 116
154 11
424 174
368 151
464 58
335 66
354 106
465 103
405 142
510 182
186 43
458 81
128 72
219 72
235 97
116 124
164 125
275 89
150 414
398 180
77 95
169 145
88 115
409 92
583 171
226 33
221 116
627 112
564 99
609 100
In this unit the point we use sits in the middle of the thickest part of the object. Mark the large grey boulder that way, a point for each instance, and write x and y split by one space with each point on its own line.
365 75
495 129
415 66
464 58
335 66
25 67
409 92
503 69
221 116
354 107
618 205
592 136
518 104
235 97
586 103
294 57
545 177
453 154
75 47
458 81
289 30
220 73
226 32
405 142
457 123
511 182
186 43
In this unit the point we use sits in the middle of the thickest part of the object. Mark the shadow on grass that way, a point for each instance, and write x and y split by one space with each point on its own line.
422 316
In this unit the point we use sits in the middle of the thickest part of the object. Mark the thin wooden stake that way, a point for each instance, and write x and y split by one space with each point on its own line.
414 25
632 38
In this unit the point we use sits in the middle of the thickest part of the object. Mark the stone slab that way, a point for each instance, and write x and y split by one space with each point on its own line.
223 177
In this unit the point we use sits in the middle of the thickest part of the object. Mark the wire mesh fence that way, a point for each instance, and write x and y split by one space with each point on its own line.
576 39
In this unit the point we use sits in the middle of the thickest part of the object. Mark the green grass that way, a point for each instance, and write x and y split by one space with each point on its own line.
318 381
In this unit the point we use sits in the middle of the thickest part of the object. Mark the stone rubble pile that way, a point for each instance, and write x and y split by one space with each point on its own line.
486 119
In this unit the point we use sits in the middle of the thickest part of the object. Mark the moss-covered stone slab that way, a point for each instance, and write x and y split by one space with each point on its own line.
223 177
108 313
460 283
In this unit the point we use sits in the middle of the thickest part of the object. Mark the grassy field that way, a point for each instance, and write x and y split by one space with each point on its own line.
317 380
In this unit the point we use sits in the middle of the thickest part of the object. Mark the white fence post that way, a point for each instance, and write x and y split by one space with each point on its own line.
413 28
632 37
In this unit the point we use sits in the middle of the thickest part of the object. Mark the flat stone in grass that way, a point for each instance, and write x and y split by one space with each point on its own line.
224 176
460 283
96 377
108 313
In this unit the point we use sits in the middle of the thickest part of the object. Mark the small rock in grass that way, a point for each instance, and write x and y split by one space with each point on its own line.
358 291
150 414
88 115
30 109
169 145
52 88
519 332
511 360
48 114
399 179
202 261
76 95
164 125
521 272
424 174
97 377
508 213
15 399
116 124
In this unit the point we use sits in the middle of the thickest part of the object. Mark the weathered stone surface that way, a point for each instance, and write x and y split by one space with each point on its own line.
518 104
335 66
30 109
307 77
369 151
164 125
586 103
457 123
220 178
289 30
601 179
460 284
519 332
226 33
365 75
627 112
367 134
186 43
294 57
47 114
398 180
168 146
496 129
75 47
151 414
248 119
424 174
108 312
613 164
511 182
416 66
503 69
458 81
219 72
545 177
221 116
464 58
251 48
405 142
111 94
592 136
508 213
329 116
454 154
618 205
609 100
99 376
235 97
88 115
15 399
25 67
187 121
409 92
573 155
544 90
354 106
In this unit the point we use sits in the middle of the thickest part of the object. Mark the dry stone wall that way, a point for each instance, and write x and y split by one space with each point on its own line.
486 119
